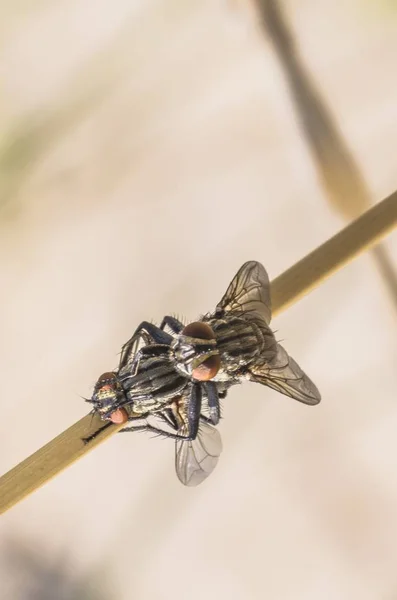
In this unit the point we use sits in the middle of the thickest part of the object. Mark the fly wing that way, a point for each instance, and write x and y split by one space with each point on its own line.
196 459
129 350
249 292
284 375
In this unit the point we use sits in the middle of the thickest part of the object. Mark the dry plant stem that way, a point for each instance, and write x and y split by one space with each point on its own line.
51 459
364 233
289 287
343 183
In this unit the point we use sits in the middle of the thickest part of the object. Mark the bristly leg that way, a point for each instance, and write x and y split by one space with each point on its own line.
158 431
148 351
194 411
191 425
213 401
174 324
150 333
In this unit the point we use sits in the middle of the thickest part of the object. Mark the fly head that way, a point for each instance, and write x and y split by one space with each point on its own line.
195 352
108 395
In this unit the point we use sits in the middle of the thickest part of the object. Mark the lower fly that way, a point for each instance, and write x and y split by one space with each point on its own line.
198 444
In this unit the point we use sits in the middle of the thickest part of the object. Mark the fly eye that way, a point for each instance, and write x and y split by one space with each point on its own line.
198 330
208 368
119 416
106 378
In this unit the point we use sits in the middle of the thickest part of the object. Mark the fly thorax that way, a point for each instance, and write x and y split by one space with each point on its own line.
189 353
195 352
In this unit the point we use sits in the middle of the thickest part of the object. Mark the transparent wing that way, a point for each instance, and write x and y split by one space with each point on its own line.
284 375
195 460
129 350
248 292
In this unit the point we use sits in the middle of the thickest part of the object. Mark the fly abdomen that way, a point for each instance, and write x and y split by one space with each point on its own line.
240 340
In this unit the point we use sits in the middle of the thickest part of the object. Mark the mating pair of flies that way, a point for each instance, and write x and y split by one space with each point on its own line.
178 374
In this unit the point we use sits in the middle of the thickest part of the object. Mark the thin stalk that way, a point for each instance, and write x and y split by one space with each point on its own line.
286 289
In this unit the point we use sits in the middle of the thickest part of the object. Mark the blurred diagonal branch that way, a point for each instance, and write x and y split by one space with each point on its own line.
35 573
286 289
343 182
31 138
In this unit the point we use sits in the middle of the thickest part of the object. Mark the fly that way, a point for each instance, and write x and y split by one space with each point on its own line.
195 458
179 373
232 344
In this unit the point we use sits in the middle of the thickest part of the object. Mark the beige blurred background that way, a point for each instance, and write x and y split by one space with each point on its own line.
147 149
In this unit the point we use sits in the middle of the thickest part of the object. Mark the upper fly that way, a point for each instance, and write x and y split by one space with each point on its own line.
179 373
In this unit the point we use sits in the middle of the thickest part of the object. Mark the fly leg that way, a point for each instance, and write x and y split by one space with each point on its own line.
171 421
150 333
192 424
194 410
213 401
145 427
157 431
175 325
153 332
168 417
98 431
206 419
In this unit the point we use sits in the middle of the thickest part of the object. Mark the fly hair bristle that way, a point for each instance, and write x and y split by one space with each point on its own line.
180 318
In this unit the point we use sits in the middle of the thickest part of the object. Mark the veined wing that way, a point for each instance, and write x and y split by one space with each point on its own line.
129 350
249 292
284 375
196 459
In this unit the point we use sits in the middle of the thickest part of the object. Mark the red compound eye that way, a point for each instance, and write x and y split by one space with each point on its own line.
106 388
119 416
208 369
106 377
199 330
